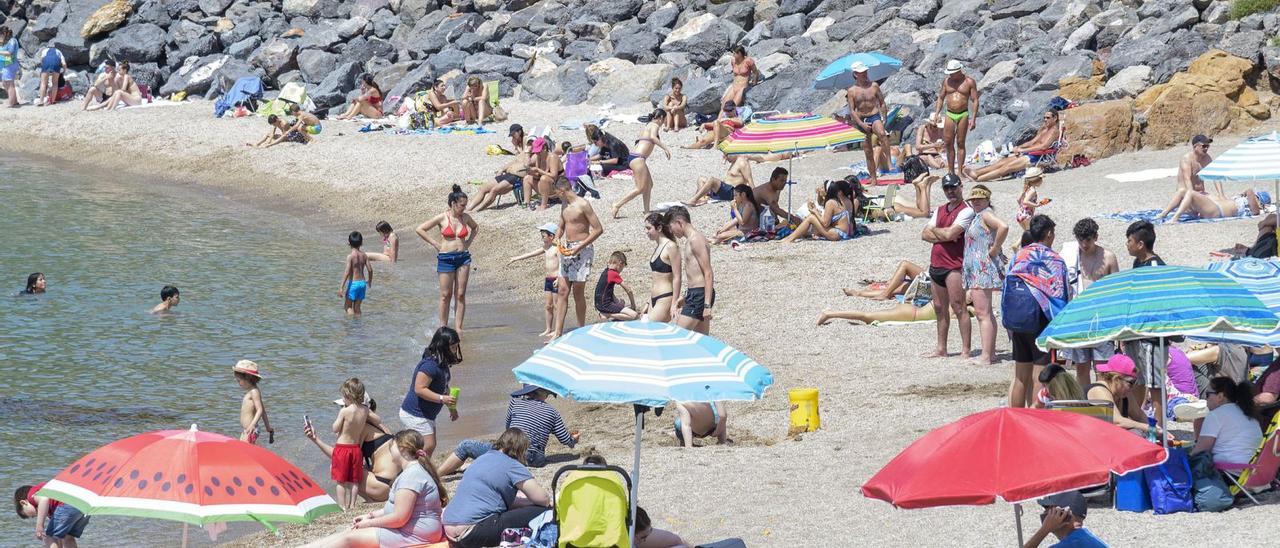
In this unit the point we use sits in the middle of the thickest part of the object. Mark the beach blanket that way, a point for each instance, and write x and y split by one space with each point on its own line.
577 124
1144 175
152 104
446 130
625 174
1150 215
890 324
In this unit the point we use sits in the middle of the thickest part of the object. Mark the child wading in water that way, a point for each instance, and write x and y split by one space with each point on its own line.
347 464
390 244
1030 199
168 299
551 270
57 524
356 277
252 410
607 304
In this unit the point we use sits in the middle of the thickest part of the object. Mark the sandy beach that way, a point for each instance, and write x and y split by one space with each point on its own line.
877 395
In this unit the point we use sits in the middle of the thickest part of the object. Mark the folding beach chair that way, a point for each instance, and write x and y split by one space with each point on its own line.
593 509
1261 469
882 203
1047 159
1101 409
495 98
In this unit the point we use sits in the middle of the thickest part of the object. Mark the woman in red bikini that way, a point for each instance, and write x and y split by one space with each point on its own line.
368 104
453 258
745 75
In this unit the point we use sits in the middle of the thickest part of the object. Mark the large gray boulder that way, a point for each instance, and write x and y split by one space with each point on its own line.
633 85
445 32
664 17
276 57
316 64
316 8
789 7
1247 44
637 47
1078 65
610 11
179 7
490 63
244 48
215 7
1129 82
366 8
45 27
788 26
704 38
384 23
414 80
448 59
148 74
195 75
1001 9
332 91
188 39
362 50
412 11
135 43
919 11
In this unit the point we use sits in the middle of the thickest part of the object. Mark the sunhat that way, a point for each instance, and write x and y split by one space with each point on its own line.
1120 364
979 191
935 119
247 367
1192 410
549 227
953 66
539 144
1033 173
858 66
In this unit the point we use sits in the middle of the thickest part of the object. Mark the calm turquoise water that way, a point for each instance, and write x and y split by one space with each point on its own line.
86 364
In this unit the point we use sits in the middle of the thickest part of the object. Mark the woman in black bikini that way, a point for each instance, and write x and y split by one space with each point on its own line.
665 264
380 466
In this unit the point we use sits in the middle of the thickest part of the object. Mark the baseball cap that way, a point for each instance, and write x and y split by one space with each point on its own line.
1071 500
1201 139
515 128
550 228
1120 364
858 66
953 66
950 180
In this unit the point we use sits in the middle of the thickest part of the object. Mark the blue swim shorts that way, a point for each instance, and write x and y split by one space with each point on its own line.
452 261
66 521
723 193
355 291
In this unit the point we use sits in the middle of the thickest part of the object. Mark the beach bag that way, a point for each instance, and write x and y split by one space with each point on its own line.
1170 484
1019 310
1211 492
418 120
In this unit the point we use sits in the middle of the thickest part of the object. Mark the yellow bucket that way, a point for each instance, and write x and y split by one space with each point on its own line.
804 409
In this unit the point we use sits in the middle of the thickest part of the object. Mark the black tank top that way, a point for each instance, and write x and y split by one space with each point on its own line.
1122 405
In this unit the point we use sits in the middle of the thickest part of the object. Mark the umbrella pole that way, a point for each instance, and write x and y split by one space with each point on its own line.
790 174
1017 520
1164 396
184 535
635 470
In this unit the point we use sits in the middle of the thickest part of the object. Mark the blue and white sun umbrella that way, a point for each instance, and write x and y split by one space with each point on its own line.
839 74
1262 278
1256 159
647 364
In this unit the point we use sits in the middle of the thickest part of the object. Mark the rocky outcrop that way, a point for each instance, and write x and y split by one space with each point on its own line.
106 19
1101 129
1211 96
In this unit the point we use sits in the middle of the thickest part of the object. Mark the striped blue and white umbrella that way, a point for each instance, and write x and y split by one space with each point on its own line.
1256 159
1262 278
645 363
839 74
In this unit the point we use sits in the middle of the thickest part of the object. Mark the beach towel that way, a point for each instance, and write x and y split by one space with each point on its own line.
152 104
1144 175
1150 215
625 174
1044 273
576 165
446 130
577 124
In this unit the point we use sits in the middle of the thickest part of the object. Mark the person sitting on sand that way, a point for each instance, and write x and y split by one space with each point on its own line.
448 110
390 244
719 129
739 173
380 465
508 179
169 298
475 101
1220 206
103 85
1264 246
1055 385
639 163
368 104
1230 432
608 304
304 121
485 502
609 152
833 221
674 106
529 412
412 514
1063 516
929 144
744 217
665 264
915 173
1189 180
903 275
542 171
1024 155
126 90
701 420
280 132
35 284
769 198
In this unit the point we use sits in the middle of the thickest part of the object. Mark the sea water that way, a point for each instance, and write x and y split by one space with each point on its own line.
86 363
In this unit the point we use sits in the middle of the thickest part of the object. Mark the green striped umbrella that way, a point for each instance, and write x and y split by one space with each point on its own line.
1157 302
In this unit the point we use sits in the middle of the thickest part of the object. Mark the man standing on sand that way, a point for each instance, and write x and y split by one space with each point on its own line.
1188 177
710 187
579 228
960 96
1087 262
700 292
946 232
868 112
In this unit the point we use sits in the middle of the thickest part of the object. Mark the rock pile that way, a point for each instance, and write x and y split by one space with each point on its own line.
1023 52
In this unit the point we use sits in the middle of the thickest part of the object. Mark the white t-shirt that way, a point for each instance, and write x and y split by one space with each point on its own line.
1236 436
962 219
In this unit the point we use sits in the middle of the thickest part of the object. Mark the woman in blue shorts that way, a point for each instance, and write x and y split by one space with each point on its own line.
453 260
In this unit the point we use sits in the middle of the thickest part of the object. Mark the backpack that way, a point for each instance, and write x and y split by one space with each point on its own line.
1019 310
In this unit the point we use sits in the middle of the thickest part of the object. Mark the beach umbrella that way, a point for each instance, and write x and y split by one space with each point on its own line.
646 364
790 132
839 74
1262 278
189 476
1256 159
1013 454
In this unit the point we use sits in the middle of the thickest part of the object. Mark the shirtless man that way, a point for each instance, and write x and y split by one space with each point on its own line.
1024 155
769 195
304 121
1088 262
960 96
710 187
1189 177
103 86
700 293
930 145
578 229
508 179
543 171
868 112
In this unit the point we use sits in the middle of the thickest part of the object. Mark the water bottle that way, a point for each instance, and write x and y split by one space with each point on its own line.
1151 430
767 220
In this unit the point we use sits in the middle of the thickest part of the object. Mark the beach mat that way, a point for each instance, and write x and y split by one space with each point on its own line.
1150 215
1144 175
447 130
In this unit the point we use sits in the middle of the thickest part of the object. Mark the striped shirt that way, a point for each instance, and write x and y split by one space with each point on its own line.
538 420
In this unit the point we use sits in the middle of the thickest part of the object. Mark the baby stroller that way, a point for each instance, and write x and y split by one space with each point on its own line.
593 508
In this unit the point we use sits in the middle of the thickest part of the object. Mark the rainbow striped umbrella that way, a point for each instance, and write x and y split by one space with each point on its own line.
791 132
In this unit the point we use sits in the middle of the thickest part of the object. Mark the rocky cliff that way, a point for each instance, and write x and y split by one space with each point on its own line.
1023 52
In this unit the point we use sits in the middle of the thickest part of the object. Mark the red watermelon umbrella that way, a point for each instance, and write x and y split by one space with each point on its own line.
189 476
1011 453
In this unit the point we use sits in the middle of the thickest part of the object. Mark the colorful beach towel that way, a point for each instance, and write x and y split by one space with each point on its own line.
1045 273
446 130
1150 215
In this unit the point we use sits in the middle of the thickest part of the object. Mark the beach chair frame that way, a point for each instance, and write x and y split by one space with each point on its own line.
1100 409
555 489
885 205
1246 475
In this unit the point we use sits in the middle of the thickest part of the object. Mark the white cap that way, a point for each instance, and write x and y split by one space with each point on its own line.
858 66
549 227
954 66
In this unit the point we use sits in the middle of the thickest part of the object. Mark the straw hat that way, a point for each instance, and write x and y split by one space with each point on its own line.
247 367
979 192
858 66
954 66
1033 173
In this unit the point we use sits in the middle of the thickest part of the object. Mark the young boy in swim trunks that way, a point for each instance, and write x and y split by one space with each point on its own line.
280 132
551 270
608 305
252 410
168 299
347 464
356 277
304 121
57 524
